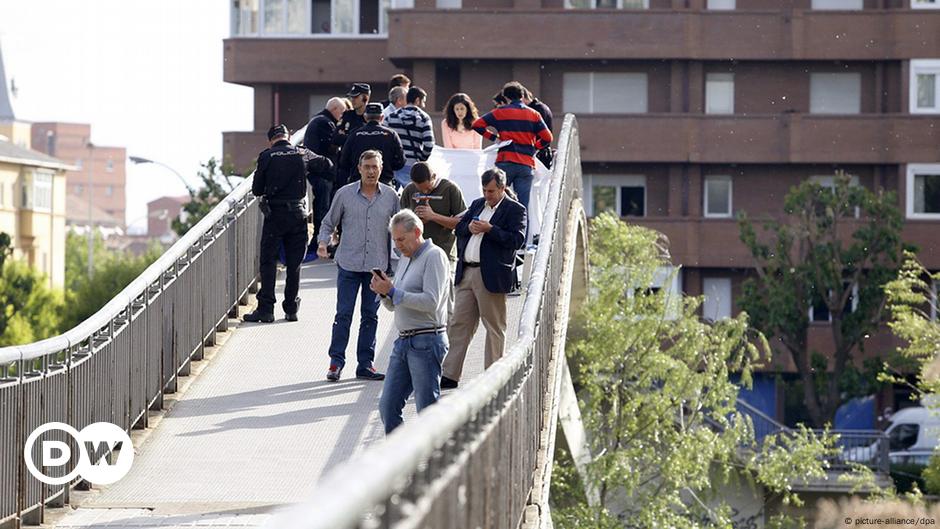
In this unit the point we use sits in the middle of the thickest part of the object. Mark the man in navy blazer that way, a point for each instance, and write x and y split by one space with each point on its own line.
488 235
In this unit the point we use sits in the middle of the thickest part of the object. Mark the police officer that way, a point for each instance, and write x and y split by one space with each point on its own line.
372 136
280 181
359 94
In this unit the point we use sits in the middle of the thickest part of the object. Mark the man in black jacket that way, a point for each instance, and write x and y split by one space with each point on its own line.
319 139
281 180
488 235
371 136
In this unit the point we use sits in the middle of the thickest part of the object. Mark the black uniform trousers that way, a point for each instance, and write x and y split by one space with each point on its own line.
285 224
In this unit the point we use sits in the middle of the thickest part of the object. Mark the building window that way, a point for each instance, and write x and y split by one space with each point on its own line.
244 17
623 195
37 190
2 197
717 196
313 17
78 189
835 93
79 164
721 5
109 166
717 304
838 5
925 4
605 93
819 311
449 4
109 191
607 4
925 86
829 181
923 191
719 93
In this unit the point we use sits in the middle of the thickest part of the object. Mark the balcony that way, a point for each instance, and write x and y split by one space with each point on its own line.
715 243
663 34
777 138
339 60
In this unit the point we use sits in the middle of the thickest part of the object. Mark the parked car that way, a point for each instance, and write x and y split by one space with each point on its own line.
912 436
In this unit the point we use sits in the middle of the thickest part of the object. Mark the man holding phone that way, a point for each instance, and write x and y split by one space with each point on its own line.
364 208
418 297
488 235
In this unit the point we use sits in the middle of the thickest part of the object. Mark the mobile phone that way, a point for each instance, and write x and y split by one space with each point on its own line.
378 272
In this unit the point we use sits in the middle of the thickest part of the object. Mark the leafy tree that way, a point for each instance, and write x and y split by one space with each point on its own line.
6 248
820 256
112 272
914 307
217 183
29 309
656 395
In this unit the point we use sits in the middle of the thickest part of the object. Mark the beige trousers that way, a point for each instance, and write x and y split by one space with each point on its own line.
472 303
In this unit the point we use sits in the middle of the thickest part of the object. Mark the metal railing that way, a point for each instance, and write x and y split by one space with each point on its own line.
117 364
471 460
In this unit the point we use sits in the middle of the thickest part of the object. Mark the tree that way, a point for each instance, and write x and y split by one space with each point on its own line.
216 185
914 306
29 309
655 392
810 262
112 272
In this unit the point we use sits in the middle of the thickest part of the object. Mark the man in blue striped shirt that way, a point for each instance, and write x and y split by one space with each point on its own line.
364 208
413 126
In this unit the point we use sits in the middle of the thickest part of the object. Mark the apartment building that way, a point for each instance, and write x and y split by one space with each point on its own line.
690 111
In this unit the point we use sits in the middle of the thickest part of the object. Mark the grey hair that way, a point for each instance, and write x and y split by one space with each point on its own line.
399 92
406 219
370 155
335 102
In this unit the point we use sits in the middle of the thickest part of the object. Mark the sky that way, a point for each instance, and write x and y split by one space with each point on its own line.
147 76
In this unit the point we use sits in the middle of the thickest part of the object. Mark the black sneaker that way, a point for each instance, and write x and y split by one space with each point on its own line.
291 317
333 374
369 374
448 383
255 317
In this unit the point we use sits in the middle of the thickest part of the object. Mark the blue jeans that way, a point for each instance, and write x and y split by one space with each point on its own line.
348 285
520 178
415 366
403 175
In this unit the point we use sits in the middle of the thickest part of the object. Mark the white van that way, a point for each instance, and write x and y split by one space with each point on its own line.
912 436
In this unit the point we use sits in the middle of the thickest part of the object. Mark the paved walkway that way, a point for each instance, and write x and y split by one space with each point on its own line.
258 425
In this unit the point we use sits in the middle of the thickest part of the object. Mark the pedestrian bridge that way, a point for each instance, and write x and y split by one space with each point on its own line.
255 436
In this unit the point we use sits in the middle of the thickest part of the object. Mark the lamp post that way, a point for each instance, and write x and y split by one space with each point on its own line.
138 160
91 220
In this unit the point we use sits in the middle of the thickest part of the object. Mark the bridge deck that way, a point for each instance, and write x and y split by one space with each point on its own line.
259 426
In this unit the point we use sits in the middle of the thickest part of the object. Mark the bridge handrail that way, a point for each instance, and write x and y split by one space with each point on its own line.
375 477
163 264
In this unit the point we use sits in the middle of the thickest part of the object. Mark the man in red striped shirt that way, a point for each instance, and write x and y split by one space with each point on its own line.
526 130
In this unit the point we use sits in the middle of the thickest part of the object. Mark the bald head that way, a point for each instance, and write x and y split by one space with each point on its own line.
336 106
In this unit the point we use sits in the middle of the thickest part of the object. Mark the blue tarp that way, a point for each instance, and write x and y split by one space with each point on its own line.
856 414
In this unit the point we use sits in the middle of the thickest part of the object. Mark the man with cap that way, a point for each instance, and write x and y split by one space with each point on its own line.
352 119
280 180
371 136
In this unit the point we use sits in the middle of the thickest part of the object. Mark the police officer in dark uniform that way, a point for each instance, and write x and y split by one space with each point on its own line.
351 120
281 182
372 136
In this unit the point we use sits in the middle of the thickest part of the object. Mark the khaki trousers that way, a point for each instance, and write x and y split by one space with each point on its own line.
472 303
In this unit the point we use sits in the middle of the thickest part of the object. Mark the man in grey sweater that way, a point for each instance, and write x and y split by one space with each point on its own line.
418 297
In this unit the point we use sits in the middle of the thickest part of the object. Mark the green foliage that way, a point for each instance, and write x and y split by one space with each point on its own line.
655 392
6 248
112 272
29 309
912 303
819 256
216 185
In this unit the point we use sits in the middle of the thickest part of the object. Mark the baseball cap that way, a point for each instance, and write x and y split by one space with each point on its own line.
277 130
373 109
359 88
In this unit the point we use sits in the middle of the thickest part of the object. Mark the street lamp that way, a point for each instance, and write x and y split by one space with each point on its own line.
140 160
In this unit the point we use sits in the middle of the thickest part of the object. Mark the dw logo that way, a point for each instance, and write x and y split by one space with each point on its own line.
95 443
